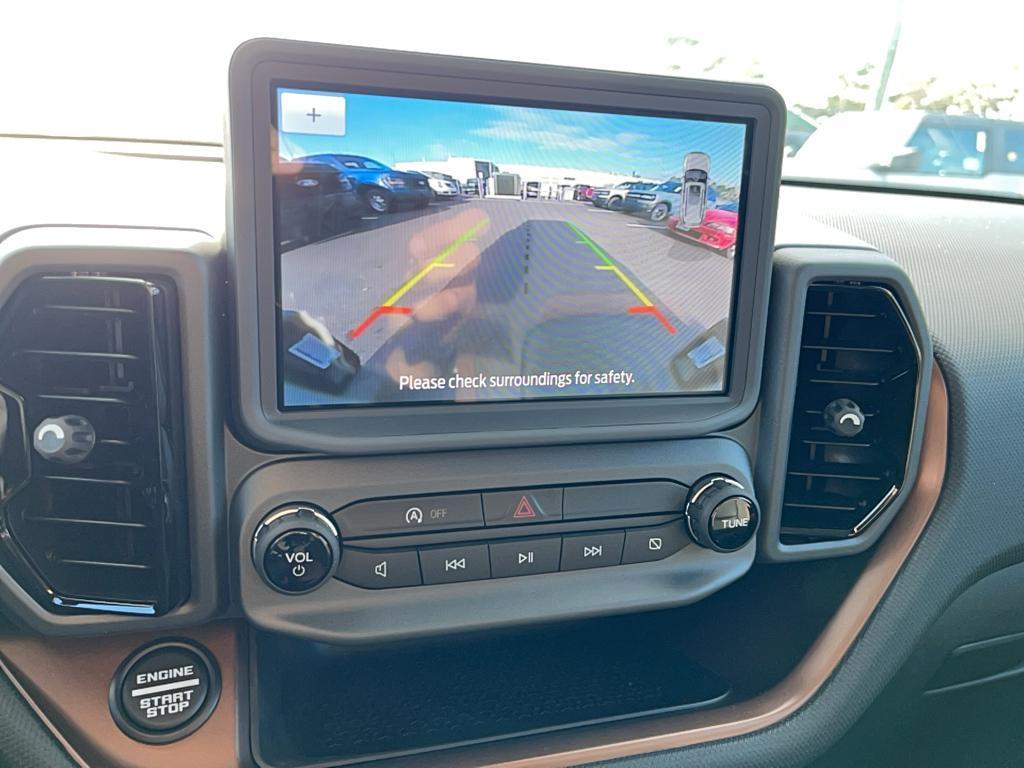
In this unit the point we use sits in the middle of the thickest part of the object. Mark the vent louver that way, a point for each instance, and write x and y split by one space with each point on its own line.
107 533
857 346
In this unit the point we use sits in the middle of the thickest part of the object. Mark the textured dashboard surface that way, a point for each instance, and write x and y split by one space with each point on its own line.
964 258
24 740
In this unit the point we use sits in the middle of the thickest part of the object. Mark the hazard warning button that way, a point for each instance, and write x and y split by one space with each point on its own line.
527 505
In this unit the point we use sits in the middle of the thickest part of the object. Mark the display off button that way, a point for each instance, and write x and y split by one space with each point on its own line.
411 514
645 545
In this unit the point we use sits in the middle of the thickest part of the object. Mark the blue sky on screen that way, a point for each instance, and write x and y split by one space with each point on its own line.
392 130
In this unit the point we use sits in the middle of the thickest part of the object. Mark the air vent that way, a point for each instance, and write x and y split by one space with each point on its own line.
858 356
109 532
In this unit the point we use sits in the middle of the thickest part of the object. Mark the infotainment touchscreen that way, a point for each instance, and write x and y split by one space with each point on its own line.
433 250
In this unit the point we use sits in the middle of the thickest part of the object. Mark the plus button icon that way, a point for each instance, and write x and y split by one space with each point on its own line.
314 114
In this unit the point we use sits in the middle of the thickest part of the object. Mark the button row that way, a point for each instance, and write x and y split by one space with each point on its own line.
383 568
515 507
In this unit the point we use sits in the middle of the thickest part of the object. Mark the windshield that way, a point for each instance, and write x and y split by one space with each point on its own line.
865 137
115 73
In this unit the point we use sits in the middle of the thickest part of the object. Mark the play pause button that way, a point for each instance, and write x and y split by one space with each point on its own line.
525 556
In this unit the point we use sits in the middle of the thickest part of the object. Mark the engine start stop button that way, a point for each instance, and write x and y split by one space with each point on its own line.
164 691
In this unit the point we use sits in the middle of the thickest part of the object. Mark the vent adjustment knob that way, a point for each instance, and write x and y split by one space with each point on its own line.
721 514
844 417
64 439
296 548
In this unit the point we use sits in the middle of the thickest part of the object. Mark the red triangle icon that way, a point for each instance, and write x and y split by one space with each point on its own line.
524 509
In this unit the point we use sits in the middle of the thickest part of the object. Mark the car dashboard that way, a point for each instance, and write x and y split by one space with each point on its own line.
746 577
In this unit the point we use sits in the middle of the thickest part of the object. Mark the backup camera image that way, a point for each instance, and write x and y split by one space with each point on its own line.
443 251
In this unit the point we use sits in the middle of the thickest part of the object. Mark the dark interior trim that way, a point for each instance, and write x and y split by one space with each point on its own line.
68 753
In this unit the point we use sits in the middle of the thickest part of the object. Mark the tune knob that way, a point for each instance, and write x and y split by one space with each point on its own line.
296 548
64 439
721 514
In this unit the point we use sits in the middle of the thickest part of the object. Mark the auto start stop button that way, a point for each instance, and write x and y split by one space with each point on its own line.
164 691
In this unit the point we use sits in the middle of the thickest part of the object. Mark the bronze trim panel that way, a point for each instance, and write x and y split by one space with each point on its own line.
66 682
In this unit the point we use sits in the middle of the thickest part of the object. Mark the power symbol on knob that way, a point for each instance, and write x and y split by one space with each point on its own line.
296 549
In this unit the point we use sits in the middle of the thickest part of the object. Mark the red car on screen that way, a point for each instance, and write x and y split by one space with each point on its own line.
583 192
718 231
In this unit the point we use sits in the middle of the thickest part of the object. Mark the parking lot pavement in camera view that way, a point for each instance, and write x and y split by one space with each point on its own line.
343 281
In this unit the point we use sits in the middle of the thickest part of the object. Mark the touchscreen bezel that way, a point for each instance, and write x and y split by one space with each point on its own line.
259 67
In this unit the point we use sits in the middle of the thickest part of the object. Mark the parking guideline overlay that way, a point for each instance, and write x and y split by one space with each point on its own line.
647 306
438 262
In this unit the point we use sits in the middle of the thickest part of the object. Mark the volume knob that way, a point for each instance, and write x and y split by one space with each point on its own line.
296 548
